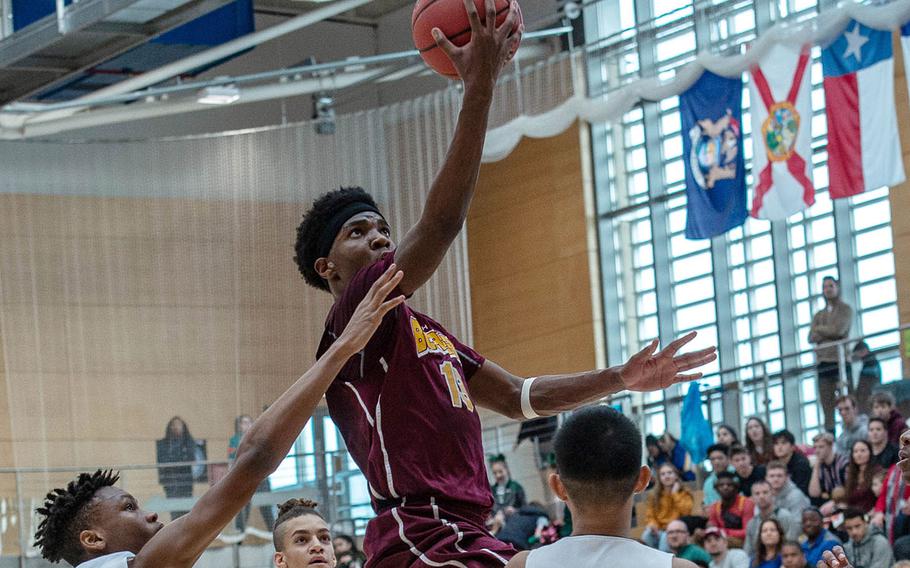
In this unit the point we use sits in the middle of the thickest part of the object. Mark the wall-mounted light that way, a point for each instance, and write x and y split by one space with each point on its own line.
219 95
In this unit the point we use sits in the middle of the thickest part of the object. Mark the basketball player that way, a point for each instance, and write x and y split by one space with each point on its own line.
93 524
404 407
301 537
598 456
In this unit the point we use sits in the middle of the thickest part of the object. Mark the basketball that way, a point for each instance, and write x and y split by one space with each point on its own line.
452 20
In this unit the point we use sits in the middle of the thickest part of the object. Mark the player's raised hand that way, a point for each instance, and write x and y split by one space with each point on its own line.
372 308
834 558
480 61
647 371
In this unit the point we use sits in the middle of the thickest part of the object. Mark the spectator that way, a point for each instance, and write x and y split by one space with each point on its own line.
855 424
765 509
680 542
656 456
719 455
508 494
859 477
797 465
678 456
830 324
792 555
870 375
598 452
759 441
177 446
241 425
884 453
818 538
523 524
747 472
669 500
892 509
733 512
346 552
767 549
883 406
830 471
721 555
727 436
865 548
786 494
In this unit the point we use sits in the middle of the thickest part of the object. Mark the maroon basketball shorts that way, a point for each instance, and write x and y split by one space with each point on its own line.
429 536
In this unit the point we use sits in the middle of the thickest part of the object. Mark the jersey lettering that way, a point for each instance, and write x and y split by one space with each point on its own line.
431 341
457 390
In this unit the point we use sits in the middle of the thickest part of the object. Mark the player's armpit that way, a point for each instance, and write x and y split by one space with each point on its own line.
683 563
495 388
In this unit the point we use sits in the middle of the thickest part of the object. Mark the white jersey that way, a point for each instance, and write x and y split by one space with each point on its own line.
115 560
596 551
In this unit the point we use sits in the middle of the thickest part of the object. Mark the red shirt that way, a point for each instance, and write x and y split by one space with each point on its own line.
403 406
743 509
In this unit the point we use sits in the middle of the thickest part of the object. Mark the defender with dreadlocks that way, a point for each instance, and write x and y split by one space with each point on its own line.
94 524
404 407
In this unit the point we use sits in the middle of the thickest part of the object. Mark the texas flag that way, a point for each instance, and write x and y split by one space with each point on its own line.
864 150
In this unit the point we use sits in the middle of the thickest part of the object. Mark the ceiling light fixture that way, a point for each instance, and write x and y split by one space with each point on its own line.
221 95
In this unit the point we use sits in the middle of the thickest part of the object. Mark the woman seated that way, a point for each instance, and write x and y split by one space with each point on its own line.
668 501
860 472
769 544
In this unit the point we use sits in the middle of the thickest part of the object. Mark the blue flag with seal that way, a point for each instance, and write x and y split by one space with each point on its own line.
696 434
711 117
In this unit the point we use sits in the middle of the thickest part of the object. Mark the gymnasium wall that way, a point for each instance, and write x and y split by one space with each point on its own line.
530 278
900 204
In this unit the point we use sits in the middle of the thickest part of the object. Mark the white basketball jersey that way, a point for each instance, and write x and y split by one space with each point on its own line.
596 551
115 560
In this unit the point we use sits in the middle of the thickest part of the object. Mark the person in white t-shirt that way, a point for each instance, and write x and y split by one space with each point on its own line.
91 523
599 464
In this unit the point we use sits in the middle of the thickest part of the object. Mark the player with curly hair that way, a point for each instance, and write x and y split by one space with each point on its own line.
92 523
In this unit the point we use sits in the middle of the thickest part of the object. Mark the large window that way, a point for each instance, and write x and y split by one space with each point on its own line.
753 290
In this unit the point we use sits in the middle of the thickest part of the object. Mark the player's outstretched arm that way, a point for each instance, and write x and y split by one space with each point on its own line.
479 63
180 543
495 388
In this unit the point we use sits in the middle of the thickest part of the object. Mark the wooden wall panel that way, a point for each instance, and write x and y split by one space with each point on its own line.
900 202
529 263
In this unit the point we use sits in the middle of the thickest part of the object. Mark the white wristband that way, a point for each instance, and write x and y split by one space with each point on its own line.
526 407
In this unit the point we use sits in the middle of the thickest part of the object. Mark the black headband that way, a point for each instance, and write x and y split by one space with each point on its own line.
331 228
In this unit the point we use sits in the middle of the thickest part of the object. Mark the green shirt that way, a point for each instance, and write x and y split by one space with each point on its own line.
694 553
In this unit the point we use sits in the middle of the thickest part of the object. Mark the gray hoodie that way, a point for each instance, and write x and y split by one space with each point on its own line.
871 552
792 499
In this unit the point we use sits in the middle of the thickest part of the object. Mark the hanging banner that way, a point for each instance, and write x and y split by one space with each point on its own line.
864 149
781 111
711 117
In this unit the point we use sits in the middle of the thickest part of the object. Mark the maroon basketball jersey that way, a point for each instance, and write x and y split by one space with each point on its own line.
403 405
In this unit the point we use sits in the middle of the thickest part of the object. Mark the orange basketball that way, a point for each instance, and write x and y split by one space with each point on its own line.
452 20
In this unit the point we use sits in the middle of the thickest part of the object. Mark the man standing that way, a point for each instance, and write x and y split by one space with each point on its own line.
734 511
855 424
865 548
719 455
721 556
870 375
832 323
680 542
765 508
747 472
786 494
818 538
797 465
830 469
